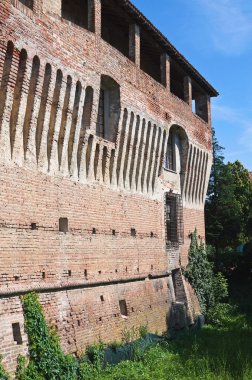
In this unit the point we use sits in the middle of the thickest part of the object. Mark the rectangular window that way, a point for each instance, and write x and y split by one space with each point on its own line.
150 56
170 159
17 333
123 308
115 25
173 219
101 115
75 11
108 109
63 225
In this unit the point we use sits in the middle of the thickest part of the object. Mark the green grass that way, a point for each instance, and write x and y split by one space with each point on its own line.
222 351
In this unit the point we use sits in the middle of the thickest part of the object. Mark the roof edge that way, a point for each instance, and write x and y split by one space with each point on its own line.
170 49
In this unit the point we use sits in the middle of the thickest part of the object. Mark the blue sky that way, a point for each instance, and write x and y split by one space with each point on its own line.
216 37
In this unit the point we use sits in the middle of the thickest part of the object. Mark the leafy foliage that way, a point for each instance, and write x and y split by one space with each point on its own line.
210 288
3 373
229 202
47 360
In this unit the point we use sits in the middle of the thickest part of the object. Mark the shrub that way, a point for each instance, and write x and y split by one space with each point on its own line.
46 356
210 288
3 373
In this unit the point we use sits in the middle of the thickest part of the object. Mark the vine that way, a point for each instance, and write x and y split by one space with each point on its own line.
47 360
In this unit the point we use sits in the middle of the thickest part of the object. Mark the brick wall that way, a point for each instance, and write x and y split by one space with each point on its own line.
112 192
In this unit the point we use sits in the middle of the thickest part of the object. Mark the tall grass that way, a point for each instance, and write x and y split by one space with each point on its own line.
222 351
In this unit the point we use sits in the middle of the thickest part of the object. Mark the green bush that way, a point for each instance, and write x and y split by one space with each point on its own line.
210 288
46 357
3 373
221 315
143 331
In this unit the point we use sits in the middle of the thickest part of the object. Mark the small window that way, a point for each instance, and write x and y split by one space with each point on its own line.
199 102
34 226
27 3
17 333
170 159
123 308
115 23
108 109
177 76
79 12
133 232
63 225
150 56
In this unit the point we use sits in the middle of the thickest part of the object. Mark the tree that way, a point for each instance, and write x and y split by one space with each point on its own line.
228 203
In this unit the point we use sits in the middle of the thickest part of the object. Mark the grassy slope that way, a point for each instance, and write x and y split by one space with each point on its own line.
223 351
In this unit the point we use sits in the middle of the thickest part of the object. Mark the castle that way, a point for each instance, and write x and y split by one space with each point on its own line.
105 139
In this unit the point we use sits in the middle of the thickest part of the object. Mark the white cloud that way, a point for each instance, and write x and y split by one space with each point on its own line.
230 24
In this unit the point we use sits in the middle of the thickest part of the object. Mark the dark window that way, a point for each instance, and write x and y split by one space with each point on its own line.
27 3
34 226
108 109
150 56
170 159
17 333
63 225
200 102
80 12
102 109
177 77
123 308
133 232
115 26
173 219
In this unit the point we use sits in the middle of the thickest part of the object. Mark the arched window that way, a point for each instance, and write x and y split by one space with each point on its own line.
109 109
176 153
176 150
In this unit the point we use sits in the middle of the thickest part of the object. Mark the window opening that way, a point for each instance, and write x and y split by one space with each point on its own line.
17 333
174 219
27 3
133 232
150 56
34 226
79 12
108 109
199 102
177 77
170 159
123 308
115 24
63 225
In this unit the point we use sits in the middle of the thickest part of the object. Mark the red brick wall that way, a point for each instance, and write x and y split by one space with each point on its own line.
94 264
